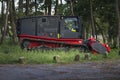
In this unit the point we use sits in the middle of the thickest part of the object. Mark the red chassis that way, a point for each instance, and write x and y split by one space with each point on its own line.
29 41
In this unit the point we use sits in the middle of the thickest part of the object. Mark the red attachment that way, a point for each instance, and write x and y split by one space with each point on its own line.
92 41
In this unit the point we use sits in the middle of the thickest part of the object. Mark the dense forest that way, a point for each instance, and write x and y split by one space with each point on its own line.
100 17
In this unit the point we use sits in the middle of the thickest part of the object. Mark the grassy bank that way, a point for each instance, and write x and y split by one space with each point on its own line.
9 54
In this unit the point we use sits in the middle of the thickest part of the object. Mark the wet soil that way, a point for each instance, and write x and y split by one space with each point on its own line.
105 70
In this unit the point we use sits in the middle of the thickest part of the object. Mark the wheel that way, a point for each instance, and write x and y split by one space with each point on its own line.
25 44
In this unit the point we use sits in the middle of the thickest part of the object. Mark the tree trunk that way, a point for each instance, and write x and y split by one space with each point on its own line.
13 9
118 19
20 8
101 31
61 2
6 23
2 16
86 29
48 4
56 7
45 7
35 7
49 7
13 5
27 8
92 20
71 7
12 19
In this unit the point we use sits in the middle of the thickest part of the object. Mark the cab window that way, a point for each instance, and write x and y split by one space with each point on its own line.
71 24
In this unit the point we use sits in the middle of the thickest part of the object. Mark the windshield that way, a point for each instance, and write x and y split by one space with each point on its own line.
71 23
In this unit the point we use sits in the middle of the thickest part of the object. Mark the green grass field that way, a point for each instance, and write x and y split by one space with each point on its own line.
9 54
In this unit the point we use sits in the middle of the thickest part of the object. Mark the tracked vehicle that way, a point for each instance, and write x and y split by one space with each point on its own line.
52 32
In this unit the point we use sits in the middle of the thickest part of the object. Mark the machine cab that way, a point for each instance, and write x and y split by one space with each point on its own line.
51 26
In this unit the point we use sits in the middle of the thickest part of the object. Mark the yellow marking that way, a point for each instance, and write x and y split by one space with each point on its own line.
58 35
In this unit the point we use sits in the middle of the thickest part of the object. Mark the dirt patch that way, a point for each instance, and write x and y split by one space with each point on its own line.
106 70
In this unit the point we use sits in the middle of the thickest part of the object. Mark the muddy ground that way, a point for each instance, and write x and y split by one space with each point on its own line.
105 70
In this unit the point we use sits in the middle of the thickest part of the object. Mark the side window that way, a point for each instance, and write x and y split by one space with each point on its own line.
71 24
44 20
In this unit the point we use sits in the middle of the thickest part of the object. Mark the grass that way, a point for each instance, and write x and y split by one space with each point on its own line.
9 54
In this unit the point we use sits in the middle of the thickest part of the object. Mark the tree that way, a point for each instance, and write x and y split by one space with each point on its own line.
92 20
27 7
6 23
61 2
71 2
118 20
60 8
12 21
35 7
104 14
56 7
20 8
71 7
48 4
2 16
